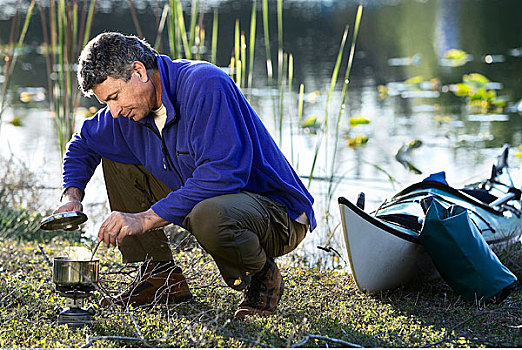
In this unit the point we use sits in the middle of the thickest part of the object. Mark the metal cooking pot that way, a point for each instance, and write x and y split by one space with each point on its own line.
74 274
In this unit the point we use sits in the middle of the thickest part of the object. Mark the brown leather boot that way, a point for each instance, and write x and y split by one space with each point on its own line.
263 293
156 282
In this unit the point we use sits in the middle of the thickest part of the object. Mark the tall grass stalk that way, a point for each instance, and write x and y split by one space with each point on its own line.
279 41
243 58
344 93
200 40
10 59
213 52
161 26
193 21
281 94
64 47
269 67
135 19
237 51
328 97
300 105
332 185
252 44
290 80
180 28
281 62
174 38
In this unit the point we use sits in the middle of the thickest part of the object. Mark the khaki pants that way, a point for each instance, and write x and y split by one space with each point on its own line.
238 230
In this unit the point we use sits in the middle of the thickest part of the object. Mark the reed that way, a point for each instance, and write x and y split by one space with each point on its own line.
213 53
65 44
300 105
180 28
290 80
332 183
280 41
11 55
135 18
281 96
192 28
344 93
237 50
178 33
333 81
243 58
174 35
266 32
161 26
252 44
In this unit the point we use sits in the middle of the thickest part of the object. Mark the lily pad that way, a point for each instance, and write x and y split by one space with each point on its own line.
310 121
358 120
475 79
414 80
455 54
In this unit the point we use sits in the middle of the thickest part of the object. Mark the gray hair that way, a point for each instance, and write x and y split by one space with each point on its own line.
112 55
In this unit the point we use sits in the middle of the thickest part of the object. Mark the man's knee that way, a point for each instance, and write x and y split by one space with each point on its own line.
206 222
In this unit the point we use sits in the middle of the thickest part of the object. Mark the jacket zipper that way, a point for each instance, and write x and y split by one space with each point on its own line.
165 151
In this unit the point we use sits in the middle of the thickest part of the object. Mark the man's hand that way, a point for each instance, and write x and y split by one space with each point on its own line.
118 225
74 205
71 201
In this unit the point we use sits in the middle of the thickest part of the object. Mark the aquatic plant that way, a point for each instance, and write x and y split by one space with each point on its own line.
11 54
333 164
479 97
69 31
455 58
178 33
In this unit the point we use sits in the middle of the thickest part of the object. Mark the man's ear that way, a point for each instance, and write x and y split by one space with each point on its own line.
140 69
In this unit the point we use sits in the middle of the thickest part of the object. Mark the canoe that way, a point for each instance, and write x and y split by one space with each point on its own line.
383 246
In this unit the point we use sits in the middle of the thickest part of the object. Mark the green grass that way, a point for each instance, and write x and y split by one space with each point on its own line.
318 309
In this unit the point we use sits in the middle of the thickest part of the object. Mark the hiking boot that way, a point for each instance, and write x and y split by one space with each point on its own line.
263 293
156 282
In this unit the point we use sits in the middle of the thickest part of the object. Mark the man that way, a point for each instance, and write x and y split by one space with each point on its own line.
179 143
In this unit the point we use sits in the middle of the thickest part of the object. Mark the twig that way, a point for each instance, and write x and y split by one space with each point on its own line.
328 339
255 342
91 339
45 255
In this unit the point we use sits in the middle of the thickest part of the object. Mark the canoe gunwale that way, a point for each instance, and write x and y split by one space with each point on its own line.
377 222
440 186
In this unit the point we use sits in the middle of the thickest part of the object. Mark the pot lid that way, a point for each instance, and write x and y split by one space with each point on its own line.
63 221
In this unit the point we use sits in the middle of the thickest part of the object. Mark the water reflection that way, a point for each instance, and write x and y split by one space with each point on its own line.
412 35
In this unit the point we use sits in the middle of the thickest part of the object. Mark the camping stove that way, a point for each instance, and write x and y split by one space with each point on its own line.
76 281
74 314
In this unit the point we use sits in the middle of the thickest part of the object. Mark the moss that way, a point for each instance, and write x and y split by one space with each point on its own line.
319 308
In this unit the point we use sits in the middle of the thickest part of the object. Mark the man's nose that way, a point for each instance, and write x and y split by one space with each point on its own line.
115 109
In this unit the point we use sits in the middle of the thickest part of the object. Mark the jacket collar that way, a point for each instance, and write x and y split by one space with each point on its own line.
168 76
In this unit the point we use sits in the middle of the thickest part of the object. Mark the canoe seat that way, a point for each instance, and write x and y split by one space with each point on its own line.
480 194
404 220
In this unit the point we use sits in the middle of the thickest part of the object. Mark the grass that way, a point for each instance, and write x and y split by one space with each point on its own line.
318 309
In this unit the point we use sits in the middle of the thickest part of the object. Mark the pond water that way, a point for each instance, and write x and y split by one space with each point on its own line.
398 40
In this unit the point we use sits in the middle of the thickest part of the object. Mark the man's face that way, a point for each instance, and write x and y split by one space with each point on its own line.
131 99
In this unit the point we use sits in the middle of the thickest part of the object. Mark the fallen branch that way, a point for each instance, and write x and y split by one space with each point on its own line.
309 336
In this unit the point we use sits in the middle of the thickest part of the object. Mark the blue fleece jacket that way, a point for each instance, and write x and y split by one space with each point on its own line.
213 143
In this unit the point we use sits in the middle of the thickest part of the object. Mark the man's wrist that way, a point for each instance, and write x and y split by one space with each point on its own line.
72 194
151 220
